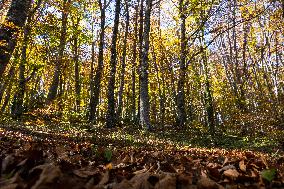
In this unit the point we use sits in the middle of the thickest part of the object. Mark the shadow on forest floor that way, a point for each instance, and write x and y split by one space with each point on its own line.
133 136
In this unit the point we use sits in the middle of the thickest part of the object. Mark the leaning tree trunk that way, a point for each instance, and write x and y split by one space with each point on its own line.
58 65
144 94
9 30
121 87
111 119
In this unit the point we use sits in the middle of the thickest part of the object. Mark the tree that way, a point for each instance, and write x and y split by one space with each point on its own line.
144 94
111 118
17 107
181 113
10 30
95 83
53 90
123 63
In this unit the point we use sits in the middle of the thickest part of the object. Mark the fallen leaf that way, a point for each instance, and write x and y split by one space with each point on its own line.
168 182
84 173
231 173
242 166
47 177
206 183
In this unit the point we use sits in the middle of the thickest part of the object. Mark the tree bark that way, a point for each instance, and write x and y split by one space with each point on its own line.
17 106
9 30
181 112
123 64
96 82
144 94
111 119
133 87
140 36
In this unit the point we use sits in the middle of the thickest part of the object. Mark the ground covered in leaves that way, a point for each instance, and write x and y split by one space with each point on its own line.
65 156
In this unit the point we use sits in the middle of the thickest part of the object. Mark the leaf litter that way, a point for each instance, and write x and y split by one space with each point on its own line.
62 161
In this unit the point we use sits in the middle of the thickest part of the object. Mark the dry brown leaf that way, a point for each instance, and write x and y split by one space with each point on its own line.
232 174
84 173
126 159
7 163
225 161
263 159
242 166
168 182
47 177
206 183
124 184
105 178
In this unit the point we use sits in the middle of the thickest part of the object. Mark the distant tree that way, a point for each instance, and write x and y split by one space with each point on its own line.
53 89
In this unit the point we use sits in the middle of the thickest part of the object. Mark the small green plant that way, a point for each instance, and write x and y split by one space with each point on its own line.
108 154
269 174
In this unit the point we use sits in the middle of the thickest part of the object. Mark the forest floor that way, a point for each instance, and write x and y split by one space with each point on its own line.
39 155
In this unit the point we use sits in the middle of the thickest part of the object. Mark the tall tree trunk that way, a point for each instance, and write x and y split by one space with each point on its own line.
140 34
133 108
17 107
77 68
181 111
5 83
111 119
96 82
9 30
52 94
144 94
18 100
121 87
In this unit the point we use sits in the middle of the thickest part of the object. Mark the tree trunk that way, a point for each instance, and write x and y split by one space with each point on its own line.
133 108
9 30
121 87
181 113
6 82
144 94
111 119
77 68
140 35
52 94
96 82
18 100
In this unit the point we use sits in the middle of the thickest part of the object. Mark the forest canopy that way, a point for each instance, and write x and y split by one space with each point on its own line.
163 62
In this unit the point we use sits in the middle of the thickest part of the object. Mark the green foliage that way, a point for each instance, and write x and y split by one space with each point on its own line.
108 154
268 174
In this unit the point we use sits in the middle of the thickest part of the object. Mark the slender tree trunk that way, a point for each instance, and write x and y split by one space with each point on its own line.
5 84
17 107
121 87
9 30
111 119
181 111
144 94
140 34
96 82
18 100
134 118
52 94
77 68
